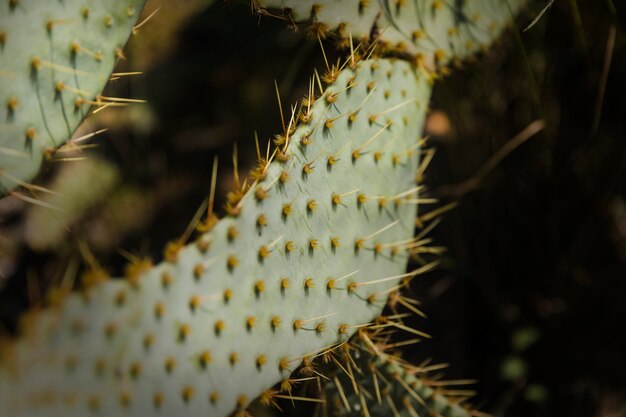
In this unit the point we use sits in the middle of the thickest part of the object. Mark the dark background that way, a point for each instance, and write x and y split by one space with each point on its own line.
530 298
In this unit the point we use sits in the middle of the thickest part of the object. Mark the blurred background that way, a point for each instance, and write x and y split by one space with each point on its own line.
531 297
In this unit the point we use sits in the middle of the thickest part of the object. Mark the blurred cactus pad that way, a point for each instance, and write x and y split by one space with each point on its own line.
55 58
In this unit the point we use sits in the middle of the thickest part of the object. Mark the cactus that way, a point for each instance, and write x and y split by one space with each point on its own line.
308 255
381 384
56 58
434 32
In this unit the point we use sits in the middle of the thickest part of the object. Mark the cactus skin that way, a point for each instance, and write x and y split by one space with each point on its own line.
435 32
220 321
55 58
386 386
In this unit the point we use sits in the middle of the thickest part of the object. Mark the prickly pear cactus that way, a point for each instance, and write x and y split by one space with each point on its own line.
383 385
308 255
435 32
55 58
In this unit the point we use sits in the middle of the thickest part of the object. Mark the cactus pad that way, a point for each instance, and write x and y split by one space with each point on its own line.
55 58
307 256
383 385
435 32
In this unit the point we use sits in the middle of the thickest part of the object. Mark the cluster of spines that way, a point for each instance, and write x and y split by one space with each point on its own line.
368 378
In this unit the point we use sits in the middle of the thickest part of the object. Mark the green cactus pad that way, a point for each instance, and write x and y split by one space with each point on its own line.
434 31
55 58
308 257
383 385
